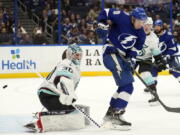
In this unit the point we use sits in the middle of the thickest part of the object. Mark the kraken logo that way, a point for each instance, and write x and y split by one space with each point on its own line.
143 51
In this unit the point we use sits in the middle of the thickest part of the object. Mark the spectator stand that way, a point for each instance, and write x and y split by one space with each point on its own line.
77 19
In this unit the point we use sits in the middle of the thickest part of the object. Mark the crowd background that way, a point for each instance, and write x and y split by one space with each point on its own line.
78 20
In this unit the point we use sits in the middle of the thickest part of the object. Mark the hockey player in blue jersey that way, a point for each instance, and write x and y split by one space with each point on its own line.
124 38
169 49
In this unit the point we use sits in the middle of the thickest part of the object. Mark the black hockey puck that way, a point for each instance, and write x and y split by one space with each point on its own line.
5 86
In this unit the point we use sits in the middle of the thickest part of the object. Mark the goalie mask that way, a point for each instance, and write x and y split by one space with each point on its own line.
74 53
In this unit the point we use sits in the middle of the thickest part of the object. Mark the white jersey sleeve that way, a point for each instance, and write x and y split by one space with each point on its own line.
150 47
67 69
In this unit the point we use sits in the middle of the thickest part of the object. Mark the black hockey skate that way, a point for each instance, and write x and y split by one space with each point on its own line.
146 90
153 101
114 120
32 127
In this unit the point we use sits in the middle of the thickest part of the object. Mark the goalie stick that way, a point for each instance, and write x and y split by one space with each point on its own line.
167 108
76 107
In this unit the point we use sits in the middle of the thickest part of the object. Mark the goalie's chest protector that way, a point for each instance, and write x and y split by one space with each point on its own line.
74 69
76 74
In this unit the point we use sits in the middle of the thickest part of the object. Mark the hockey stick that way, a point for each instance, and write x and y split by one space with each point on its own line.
167 108
76 107
154 65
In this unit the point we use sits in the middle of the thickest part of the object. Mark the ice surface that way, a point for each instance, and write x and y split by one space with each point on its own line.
19 100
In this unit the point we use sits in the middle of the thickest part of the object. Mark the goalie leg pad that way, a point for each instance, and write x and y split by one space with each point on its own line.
60 122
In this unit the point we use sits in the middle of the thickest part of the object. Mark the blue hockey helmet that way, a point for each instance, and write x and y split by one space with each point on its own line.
158 23
139 13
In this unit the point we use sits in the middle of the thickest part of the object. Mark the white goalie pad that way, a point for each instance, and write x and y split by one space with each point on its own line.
71 121
60 121
85 109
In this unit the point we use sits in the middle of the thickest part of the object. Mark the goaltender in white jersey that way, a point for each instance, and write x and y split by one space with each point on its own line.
57 93
67 69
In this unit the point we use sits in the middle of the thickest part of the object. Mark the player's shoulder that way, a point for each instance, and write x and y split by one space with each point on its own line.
117 12
153 35
114 11
167 35
140 33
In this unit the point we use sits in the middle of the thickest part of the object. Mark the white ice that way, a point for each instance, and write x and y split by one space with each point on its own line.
19 100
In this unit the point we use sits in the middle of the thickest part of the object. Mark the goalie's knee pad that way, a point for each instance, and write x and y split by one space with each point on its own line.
59 121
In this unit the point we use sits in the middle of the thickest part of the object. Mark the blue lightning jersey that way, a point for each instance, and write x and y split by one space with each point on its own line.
122 33
167 44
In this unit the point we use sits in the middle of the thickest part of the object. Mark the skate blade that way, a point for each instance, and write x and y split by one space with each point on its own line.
154 103
146 92
109 125
31 129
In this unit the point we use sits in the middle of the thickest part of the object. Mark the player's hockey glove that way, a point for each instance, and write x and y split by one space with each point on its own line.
160 63
102 30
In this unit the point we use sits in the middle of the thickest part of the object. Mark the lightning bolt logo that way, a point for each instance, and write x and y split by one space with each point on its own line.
162 46
127 39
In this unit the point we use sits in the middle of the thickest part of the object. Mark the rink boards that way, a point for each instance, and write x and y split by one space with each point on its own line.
13 60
